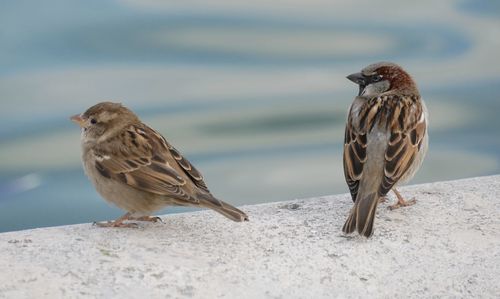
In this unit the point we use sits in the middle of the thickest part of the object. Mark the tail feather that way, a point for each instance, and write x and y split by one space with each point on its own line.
223 208
362 215
350 224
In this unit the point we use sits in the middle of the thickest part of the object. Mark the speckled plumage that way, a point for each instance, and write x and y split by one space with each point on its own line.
385 140
134 167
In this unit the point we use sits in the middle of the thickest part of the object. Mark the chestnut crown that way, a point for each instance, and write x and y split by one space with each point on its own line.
383 77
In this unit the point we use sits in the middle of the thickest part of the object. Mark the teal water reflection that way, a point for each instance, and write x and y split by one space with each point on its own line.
254 94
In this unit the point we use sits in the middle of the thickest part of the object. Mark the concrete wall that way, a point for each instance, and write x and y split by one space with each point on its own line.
448 244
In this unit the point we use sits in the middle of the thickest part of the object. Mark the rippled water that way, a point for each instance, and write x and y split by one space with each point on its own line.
254 94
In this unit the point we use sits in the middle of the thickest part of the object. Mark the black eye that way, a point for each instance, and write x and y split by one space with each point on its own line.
93 121
376 78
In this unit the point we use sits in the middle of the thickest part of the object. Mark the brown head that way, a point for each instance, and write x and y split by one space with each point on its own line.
103 120
382 77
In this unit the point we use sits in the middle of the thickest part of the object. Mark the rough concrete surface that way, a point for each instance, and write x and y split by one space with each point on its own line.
447 245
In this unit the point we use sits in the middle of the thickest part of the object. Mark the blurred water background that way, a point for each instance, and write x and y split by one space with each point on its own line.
252 92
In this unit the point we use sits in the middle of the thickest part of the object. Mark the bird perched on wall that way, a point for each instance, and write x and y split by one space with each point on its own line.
385 140
134 167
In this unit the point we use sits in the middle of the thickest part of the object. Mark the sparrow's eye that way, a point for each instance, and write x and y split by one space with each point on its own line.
93 121
377 78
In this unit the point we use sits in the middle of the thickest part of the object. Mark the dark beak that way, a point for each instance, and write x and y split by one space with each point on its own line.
359 79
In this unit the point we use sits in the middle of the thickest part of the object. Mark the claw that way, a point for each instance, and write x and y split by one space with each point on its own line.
149 219
116 224
401 201
120 221
404 203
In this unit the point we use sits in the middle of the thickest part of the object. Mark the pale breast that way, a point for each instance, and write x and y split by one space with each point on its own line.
122 195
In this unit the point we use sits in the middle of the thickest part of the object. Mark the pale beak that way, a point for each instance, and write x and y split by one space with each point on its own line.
77 119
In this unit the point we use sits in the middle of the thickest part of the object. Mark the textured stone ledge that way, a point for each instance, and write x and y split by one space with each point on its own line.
446 245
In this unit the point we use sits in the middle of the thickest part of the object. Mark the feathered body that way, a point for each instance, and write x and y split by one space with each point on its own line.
385 139
134 167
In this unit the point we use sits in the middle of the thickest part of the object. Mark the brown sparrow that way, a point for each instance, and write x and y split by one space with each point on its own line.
135 168
385 140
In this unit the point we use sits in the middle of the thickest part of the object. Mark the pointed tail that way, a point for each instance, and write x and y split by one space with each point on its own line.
208 201
362 215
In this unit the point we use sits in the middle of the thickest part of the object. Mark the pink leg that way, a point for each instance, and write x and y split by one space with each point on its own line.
401 201
117 223
148 219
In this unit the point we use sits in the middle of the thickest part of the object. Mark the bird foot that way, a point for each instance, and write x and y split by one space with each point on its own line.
382 199
115 224
149 219
118 222
402 203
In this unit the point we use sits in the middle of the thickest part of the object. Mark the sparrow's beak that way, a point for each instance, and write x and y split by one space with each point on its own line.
77 119
357 78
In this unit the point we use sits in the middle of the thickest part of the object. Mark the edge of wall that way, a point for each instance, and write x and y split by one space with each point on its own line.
445 245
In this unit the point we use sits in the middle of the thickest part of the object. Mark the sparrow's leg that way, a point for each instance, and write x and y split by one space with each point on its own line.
401 201
148 219
117 223
382 199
